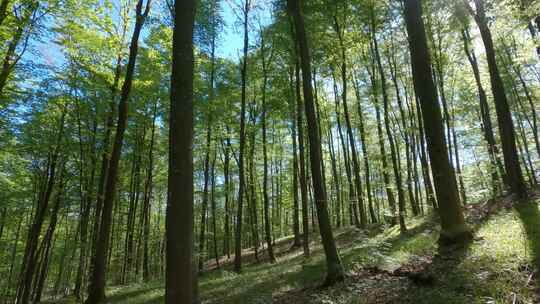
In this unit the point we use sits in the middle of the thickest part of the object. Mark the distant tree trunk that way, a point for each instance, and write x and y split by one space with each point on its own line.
453 227
393 74
353 213
365 152
252 180
527 155
213 205
504 116
335 175
29 261
382 149
46 243
302 164
458 162
533 122
86 191
334 268
238 232
296 207
204 204
430 192
132 210
227 190
267 226
96 290
358 202
393 153
13 256
181 281
484 114
147 198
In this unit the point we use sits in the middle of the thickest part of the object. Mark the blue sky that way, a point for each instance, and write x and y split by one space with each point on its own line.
231 40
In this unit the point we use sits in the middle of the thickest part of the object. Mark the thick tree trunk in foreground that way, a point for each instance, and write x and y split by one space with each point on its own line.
335 271
453 227
180 277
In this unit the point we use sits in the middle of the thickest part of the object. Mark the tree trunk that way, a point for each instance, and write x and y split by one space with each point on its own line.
296 207
453 227
96 291
180 270
358 203
267 226
30 256
353 214
393 153
238 232
302 164
504 116
334 268
147 198
485 115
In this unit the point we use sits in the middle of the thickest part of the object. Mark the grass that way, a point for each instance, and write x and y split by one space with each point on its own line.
497 267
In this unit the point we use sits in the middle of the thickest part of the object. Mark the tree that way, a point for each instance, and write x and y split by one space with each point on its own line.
453 227
334 269
504 116
179 279
96 290
238 231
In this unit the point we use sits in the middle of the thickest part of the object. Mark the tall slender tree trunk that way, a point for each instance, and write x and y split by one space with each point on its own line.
204 204
504 116
267 226
147 199
453 227
296 207
238 231
96 291
227 190
485 116
353 213
29 262
358 203
334 268
393 153
214 207
302 164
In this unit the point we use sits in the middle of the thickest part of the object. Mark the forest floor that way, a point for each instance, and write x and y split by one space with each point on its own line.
498 266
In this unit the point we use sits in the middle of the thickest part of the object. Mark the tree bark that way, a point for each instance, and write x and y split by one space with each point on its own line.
453 227
180 277
238 231
485 115
267 226
334 268
358 202
504 116
96 291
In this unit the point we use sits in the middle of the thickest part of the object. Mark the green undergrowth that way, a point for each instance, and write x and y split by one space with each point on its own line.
497 267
